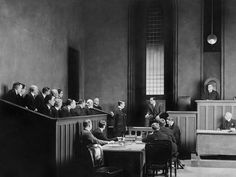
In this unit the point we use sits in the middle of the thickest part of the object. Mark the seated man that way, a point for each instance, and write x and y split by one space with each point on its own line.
158 135
99 132
89 107
228 122
87 137
79 109
30 101
153 111
211 93
66 110
49 102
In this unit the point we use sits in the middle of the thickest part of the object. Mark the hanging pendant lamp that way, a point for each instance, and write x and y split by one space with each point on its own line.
212 39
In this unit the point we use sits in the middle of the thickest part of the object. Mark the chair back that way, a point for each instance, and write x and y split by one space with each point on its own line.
158 152
96 154
184 103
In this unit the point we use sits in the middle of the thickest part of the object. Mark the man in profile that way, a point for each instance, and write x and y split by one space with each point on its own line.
30 101
13 95
87 137
153 111
211 94
96 104
228 122
99 132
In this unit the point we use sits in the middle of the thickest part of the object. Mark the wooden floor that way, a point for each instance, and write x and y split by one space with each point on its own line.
190 171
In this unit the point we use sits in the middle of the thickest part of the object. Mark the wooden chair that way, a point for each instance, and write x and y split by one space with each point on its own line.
158 156
97 162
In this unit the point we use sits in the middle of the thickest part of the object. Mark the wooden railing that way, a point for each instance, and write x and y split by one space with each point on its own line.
37 142
186 120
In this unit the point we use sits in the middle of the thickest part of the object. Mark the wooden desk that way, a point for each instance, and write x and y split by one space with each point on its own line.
130 157
213 142
211 112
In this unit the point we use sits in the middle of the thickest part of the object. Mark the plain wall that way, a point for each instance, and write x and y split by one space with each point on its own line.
34 40
106 45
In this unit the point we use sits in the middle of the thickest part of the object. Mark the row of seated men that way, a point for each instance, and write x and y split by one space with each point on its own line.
162 130
49 102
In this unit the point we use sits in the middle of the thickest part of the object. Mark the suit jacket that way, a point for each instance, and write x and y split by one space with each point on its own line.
39 101
46 110
55 113
88 138
119 123
177 134
214 95
154 111
158 135
229 124
97 106
168 132
100 135
65 112
12 97
78 111
30 101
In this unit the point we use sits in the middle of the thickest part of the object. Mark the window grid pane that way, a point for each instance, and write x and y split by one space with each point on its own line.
154 52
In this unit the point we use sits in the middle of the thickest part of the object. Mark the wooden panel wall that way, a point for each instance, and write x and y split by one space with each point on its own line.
186 120
67 131
211 113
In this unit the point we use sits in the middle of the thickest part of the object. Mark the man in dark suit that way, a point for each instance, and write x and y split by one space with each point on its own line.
79 109
153 111
99 132
88 138
158 135
39 99
56 109
119 120
66 110
96 104
49 102
30 102
228 122
13 95
166 130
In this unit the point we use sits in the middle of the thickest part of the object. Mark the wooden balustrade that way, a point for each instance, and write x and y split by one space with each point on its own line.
38 142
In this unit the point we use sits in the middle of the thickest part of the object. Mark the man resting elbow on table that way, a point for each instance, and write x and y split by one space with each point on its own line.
88 138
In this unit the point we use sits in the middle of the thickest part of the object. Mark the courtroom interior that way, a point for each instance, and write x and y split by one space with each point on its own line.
123 69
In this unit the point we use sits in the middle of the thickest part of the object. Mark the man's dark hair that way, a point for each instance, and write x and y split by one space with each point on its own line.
59 91
45 89
47 98
68 102
80 101
153 98
16 85
86 123
102 123
120 102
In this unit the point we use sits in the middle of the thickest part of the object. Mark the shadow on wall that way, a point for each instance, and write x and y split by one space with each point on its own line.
4 90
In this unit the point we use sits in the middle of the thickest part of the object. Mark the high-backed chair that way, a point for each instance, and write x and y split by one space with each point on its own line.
97 162
158 157
214 82
184 103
